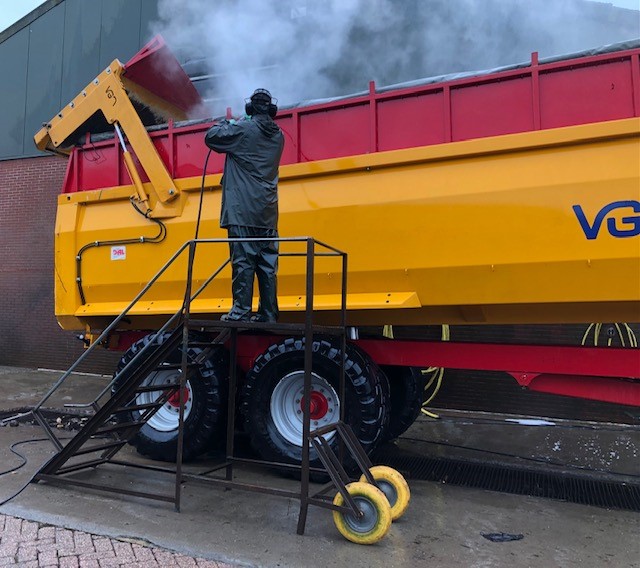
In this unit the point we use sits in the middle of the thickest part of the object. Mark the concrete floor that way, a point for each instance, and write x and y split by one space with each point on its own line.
442 527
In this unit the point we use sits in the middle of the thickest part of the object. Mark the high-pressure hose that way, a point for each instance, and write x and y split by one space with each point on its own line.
204 174
597 329
436 373
162 233
142 197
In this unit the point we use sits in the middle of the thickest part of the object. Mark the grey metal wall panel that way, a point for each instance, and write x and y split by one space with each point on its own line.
13 69
44 73
81 52
120 30
149 15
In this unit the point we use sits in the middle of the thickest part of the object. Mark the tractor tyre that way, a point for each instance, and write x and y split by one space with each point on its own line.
205 407
406 385
272 399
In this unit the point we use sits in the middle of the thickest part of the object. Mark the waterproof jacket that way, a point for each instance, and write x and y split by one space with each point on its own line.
253 147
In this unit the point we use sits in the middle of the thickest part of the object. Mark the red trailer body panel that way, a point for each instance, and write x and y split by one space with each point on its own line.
541 96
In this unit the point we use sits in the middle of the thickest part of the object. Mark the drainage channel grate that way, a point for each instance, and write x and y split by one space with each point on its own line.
552 485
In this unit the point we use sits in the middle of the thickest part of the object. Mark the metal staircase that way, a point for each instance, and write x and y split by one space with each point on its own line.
106 431
99 426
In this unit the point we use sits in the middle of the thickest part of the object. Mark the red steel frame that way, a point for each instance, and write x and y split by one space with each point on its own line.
607 374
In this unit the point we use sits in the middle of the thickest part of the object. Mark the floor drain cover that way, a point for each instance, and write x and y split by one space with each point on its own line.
553 485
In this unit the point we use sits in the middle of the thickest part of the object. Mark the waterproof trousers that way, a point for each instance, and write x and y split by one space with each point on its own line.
248 260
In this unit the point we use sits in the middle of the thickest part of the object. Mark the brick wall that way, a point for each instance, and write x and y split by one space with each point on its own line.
29 333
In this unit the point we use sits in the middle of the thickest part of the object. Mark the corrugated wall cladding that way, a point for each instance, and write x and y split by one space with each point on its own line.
29 333
47 62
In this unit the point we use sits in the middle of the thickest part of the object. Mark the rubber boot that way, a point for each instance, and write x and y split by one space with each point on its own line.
266 271
243 274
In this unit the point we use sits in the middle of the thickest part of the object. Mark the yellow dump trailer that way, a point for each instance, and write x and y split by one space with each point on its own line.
493 230
505 198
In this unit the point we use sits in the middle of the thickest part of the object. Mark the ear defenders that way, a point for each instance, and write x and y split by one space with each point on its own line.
261 102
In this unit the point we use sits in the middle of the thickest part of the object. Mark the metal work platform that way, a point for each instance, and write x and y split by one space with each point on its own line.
105 432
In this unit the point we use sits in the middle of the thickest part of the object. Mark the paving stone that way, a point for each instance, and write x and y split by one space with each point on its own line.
185 561
13 526
203 563
29 530
83 542
69 562
64 538
9 547
110 562
103 545
48 558
43 544
164 557
46 532
31 545
143 554
27 553
124 551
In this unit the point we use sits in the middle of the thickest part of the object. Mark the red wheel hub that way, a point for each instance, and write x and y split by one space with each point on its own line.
174 399
319 405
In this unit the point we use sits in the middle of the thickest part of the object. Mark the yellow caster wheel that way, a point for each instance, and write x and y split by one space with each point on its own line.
375 521
394 486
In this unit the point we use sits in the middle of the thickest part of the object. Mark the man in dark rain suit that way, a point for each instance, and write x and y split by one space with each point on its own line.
253 147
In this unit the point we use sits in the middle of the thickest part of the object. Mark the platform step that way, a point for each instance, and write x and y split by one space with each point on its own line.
119 427
100 447
154 388
145 406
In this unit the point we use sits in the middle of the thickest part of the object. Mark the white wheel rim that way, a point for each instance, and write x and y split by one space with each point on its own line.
287 401
166 418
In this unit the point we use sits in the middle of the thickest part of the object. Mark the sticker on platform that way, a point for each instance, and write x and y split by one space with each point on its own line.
118 253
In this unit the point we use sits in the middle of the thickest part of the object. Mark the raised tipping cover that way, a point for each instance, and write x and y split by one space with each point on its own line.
155 69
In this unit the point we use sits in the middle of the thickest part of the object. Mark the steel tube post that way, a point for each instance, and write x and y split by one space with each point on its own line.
231 404
306 407
186 308
343 347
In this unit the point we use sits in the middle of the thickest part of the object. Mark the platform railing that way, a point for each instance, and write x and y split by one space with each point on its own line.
189 249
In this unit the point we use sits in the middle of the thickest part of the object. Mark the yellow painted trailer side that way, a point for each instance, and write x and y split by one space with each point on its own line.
480 231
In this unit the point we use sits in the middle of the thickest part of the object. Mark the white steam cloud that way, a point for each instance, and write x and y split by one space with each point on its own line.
309 49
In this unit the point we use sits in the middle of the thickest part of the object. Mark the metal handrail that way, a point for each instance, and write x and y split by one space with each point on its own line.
191 246
53 469
110 327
